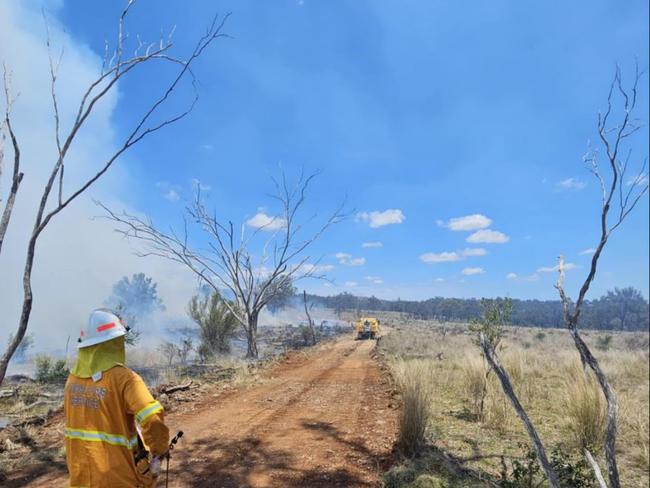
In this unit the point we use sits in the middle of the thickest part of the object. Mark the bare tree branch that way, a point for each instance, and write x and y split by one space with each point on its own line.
17 175
112 71
612 138
229 261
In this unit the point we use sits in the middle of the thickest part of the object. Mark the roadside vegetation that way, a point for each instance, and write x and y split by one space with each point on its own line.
472 434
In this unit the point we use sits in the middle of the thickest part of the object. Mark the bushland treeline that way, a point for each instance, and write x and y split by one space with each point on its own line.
618 309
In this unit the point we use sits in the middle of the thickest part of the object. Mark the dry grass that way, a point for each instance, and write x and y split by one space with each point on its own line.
414 382
475 382
586 408
543 371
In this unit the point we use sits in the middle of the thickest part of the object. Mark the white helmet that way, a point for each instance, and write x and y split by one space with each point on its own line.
103 325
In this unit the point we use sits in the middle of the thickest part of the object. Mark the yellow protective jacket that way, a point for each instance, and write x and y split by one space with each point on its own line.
101 414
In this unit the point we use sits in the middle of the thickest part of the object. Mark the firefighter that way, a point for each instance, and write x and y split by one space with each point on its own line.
109 412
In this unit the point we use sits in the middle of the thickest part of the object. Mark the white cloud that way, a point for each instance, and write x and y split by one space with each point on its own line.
372 244
347 259
467 223
375 280
571 184
172 196
590 250
511 276
379 219
472 271
443 257
556 268
451 256
350 284
169 192
488 236
207 147
342 257
439 280
266 222
474 251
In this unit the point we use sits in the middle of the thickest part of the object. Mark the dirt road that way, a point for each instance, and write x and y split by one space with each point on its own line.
322 420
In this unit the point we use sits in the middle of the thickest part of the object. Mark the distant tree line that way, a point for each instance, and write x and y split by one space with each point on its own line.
618 309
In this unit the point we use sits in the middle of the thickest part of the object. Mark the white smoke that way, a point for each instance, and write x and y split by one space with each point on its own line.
78 258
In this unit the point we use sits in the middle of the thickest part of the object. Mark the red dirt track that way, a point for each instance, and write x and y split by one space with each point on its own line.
322 419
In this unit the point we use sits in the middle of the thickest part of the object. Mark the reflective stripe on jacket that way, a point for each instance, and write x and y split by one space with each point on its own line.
100 428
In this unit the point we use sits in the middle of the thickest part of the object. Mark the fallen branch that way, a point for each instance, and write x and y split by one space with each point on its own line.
33 420
48 395
173 389
594 465
35 404
8 393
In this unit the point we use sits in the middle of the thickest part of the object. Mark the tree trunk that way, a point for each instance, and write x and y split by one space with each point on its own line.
26 310
309 320
612 406
502 374
251 337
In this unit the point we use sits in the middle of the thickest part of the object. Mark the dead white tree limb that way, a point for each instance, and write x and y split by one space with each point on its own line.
623 196
229 261
113 70
596 469
17 175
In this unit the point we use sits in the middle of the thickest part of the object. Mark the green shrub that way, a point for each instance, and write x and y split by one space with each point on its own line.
49 370
400 476
604 342
527 473
572 472
217 324
428 481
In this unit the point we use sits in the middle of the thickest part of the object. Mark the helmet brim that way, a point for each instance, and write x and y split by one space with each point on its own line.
103 338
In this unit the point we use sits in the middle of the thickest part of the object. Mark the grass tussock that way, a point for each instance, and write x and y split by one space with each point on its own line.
475 382
499 414
414 382
586 408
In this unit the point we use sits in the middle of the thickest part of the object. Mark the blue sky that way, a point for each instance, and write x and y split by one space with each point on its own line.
434 110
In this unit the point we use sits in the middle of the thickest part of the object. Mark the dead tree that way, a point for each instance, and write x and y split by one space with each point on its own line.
54 197
229 261
309 319
620 197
